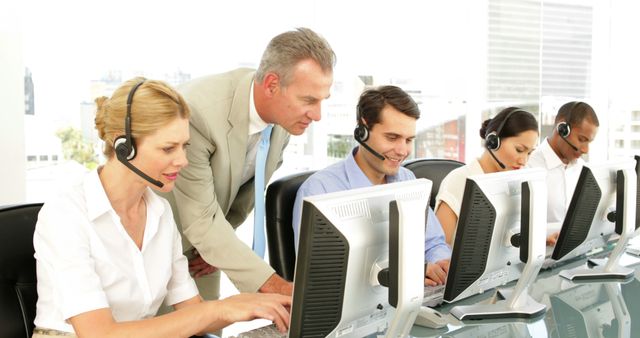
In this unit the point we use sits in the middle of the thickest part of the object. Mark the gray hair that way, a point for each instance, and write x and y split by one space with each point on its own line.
287 49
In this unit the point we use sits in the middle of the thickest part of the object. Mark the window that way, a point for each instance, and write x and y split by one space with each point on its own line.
339 146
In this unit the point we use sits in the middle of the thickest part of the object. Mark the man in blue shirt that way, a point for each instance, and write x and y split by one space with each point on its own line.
386 130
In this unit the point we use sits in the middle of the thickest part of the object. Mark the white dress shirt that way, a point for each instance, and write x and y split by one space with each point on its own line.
452 186
256 126
87 261
561 179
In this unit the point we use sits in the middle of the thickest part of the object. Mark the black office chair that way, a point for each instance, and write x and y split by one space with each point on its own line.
434 169
281 194
18 294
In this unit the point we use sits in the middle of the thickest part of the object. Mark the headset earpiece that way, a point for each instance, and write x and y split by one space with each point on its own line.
492 141
564 130
124 151
361 133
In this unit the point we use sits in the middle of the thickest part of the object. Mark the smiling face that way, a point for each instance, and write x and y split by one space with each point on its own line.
296 105
393 138
514 151
162 155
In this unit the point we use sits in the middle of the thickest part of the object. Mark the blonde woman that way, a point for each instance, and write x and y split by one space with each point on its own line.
108 251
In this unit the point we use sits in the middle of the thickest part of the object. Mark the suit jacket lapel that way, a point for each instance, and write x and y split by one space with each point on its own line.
239 132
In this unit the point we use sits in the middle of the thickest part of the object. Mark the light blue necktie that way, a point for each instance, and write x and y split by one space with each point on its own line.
258 213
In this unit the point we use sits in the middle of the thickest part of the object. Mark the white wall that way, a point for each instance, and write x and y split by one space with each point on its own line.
12 149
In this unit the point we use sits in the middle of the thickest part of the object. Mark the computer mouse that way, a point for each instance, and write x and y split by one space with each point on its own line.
430 318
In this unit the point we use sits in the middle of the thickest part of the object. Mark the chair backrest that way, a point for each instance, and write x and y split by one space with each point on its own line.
18 294
281 195
434 169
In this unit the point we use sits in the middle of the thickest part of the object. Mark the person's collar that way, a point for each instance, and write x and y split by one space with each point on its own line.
475 166
551 159
256 123
154 202
355 174
98 202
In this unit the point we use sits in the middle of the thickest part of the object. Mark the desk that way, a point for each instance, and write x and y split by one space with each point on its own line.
573 310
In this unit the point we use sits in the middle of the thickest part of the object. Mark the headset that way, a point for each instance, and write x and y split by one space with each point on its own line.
361 134
564 129
492 139
125 146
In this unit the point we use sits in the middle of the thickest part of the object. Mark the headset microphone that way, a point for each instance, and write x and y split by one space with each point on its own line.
125 147
361 134
497 160
569 143
141 174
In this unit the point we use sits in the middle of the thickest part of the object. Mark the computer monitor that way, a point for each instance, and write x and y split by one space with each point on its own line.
500 237
603 202
347 239
590 310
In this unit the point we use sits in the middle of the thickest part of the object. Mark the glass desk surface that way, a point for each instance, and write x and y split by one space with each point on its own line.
600 309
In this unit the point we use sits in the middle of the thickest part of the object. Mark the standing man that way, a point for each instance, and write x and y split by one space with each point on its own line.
386 128
576 127
232 114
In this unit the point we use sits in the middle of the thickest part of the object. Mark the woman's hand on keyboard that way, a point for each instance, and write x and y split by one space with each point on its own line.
249 306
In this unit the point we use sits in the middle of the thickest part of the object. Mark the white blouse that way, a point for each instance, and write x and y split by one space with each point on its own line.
452 186
87 261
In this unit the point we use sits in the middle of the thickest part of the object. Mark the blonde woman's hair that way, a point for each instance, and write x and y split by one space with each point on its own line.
154 105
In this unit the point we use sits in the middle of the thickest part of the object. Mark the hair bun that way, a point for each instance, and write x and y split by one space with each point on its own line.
101 103
483 129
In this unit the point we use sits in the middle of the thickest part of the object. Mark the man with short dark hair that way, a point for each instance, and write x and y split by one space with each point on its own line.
386 129
576 127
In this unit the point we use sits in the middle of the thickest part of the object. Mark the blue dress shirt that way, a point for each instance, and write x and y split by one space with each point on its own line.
346 175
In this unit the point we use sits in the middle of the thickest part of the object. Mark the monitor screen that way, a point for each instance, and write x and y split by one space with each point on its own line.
344 236
491 217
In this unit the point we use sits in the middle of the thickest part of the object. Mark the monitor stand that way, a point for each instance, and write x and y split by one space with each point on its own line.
611 270
507 303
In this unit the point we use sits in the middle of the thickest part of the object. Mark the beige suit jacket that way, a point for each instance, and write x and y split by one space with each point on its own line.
208 201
